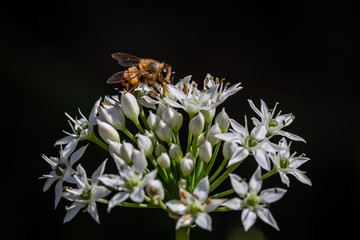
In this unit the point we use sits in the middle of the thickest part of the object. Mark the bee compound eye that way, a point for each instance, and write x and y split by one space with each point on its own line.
164 73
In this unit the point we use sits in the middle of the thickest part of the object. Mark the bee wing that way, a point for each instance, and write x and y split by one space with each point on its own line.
119 76
126 60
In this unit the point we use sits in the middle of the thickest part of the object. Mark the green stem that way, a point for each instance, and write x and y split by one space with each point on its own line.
218 171
127 204
143 118
268 174
100 143
138 125
212 160
182 233
129 134
224 176
223 194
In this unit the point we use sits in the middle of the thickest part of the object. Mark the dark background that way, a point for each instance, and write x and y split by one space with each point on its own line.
55 57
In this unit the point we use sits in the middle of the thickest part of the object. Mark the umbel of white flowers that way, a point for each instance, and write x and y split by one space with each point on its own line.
169 164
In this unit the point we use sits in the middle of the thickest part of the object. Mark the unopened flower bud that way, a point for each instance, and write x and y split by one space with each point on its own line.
163 132
201 139
139 160
211 134
209 114
161 107
228 149
196 125
113 116
145 144
108 132
172 118
222 119
155 190
114 148
164 160
130 106
153 121
205 151
175 152
159 149
187 164
126 151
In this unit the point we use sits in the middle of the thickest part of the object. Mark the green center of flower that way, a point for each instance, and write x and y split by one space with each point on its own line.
252 200
84 126
273 123
284 162
86 194
132 182
252 141
195 207
59 169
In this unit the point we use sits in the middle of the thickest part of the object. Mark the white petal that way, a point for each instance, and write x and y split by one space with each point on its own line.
272 195
111 180
204 221
77 155
72 211
289 135
284 178
239 155
301 177
139 161
229 136
137 195
234 203
202 189
100 192
51 179
257 111
265 215
184 221
259 132
99 171
64 140
214 204
255 183
92 210
262 158
240 187
150 176
116 199
238 128
58 191
69 148
248 218
176 206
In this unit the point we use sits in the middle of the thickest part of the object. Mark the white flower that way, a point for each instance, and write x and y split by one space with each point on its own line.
62 168
205 151
288 164
130 182
274 124
130 106
83 128
164 160
155 190
187 164
253 142
86 194
108 132
253 202
196 125
193 100
112 114
195 207
144 143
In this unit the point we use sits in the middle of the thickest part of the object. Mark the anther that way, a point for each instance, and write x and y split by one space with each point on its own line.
196 196
186 89
183 201
208 200
184 195
187 216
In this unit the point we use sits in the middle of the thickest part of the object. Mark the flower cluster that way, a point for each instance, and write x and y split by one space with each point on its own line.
169 164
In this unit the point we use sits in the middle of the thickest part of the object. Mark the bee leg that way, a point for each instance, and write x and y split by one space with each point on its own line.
153 86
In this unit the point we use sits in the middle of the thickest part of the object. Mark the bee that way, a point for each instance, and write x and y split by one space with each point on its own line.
141 72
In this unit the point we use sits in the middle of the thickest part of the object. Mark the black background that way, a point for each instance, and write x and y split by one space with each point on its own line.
55 57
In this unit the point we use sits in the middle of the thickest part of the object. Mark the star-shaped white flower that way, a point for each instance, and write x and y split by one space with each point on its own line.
82 128
86 194
62 168
288 164
253 202
193 100
274 124
254 142
130 182
195 207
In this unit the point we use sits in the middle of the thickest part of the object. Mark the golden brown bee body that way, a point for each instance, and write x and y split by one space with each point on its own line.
141 71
